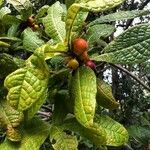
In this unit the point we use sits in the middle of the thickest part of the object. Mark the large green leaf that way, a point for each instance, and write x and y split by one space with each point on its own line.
83 92
75 18
132 46
10 119
26 86
34 134
121 15
116 134
54 26
94 133
96 32
104 95
31 40
63 141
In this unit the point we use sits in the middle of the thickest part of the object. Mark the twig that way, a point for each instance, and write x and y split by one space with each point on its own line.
46 114
132 75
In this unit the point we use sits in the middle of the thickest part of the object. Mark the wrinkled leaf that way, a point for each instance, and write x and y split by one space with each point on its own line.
121 15
54 26
34 134
94 133
74 21
83 93
63 141
104 95
132 46
26 86
10 119
116 134
31 40
96 32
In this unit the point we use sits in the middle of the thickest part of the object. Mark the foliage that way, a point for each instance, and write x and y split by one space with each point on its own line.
35 50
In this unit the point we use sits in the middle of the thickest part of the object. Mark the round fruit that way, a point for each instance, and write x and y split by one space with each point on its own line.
79 46
36 27
84 56
73 64
90 64
30 20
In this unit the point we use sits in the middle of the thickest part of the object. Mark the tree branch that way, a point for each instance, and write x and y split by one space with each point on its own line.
131 75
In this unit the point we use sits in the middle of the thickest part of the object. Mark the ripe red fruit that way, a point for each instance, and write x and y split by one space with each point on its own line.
79 46
90 64
73 64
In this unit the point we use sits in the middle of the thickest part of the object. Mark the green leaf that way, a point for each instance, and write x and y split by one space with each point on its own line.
139 133
104 95
4 44
10 39
96 32
63 141
20 5
74 21
99 5
31 40
132 46
94 133
54 26
12 32
83 93
34 134
121 15
116 134
10 119
9 20
53 50
26 86
1 2
42 11
4 11
7 65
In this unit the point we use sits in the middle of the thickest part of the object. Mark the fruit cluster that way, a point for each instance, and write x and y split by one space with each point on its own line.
80 47
31 23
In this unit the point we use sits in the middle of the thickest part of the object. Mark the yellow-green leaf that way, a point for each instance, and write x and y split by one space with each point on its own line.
104 95
54 26
63 141
10 120
94 133
83 92
26 86
116 134
34 134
